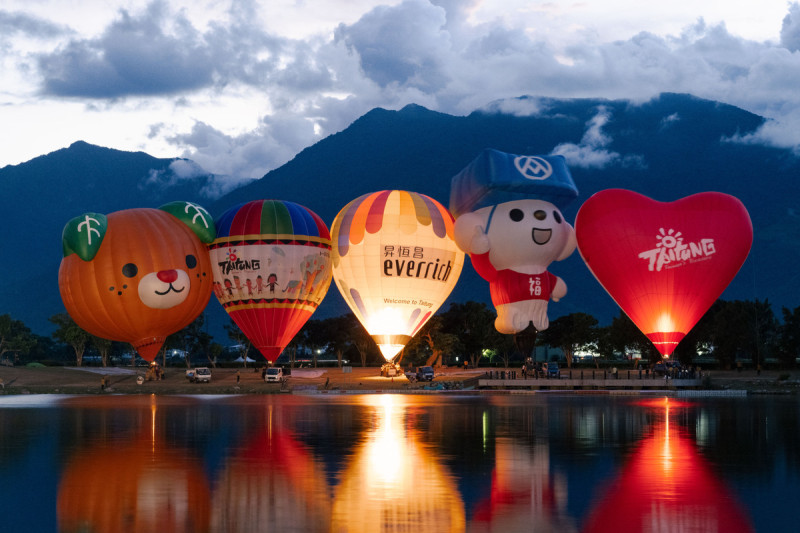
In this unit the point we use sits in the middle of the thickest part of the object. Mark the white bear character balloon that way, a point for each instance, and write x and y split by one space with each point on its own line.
510 224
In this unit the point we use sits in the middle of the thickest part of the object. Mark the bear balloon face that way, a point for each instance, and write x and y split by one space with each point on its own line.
137 275
511 245
523 235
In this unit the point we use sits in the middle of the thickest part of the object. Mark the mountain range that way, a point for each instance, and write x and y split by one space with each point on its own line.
667 148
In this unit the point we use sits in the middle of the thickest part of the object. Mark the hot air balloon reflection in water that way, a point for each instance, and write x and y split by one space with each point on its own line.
394 262
273 483
271 263
667 486
527 493
137 275
663 263
138 483
393 482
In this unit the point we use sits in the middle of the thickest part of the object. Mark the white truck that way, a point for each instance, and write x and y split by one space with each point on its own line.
200 374
274 375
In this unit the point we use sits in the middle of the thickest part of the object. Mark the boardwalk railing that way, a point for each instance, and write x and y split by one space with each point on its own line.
591 379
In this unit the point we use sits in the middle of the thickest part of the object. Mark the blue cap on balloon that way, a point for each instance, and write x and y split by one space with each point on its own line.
495 177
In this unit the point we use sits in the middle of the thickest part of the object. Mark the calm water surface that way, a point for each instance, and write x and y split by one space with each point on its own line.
392 462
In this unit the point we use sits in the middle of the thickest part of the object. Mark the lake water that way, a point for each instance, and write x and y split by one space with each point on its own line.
397 462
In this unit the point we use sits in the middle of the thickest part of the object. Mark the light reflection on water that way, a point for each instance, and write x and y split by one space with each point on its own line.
392 482
373 463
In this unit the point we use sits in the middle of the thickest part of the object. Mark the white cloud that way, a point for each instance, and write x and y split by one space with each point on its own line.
519 107
592 151
669 120
230 86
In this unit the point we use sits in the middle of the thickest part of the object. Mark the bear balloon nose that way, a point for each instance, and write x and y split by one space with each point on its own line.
168 276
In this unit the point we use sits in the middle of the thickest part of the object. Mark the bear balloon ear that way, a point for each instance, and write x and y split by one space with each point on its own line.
194 216
569 245
83 235
469 226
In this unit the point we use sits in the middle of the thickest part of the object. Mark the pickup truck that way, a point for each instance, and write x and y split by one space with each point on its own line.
199 374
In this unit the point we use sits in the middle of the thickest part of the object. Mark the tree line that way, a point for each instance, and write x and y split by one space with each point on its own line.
730 333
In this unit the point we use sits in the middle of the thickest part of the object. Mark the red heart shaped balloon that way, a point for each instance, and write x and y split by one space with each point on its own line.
663 263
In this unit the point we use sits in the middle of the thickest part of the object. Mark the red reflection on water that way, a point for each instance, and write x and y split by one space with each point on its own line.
525 496
663 403
274 483
667 486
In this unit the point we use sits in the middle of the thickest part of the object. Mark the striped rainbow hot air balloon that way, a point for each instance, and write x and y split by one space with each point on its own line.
271 263
395 262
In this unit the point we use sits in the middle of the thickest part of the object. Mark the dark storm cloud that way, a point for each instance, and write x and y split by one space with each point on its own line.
158 52
135 55
790 30
401 44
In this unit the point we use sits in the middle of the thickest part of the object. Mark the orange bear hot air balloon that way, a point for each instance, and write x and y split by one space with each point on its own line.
137 275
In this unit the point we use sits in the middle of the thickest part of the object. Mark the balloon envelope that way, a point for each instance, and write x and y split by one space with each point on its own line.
271 263
663 263
136 275
395 262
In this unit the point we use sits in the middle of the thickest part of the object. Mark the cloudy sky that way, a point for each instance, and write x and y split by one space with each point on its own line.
242 86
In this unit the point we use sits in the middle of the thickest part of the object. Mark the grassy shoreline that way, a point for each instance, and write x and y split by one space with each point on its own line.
123 380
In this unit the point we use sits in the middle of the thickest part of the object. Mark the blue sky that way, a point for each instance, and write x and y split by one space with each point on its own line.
241 87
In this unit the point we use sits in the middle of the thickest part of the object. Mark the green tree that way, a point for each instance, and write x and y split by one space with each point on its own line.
71 333
473 322
338 335
622 337
571 332
103 347
701 335
743 330
198 340
432 341
314 336
363 343
239 338
502 346
15 337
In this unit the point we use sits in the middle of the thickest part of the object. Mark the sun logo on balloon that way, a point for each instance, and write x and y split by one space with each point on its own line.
668 239
231 255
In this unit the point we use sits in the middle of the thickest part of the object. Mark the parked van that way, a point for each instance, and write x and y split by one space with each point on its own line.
199 374
274 374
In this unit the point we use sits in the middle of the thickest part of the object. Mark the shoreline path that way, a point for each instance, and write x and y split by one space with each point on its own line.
123 380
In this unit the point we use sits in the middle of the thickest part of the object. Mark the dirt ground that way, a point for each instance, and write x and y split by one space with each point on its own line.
87 380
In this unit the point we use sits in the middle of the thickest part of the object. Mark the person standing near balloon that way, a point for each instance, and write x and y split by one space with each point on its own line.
509 221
